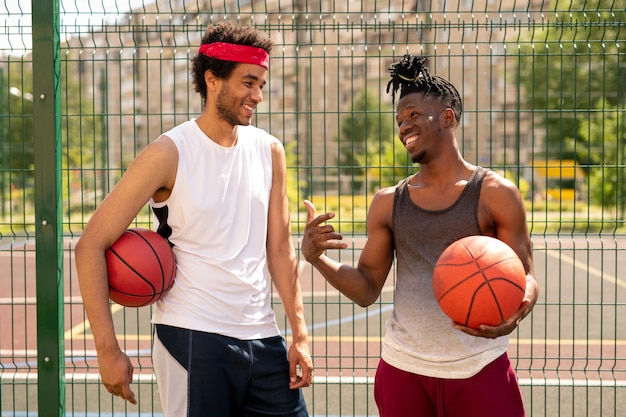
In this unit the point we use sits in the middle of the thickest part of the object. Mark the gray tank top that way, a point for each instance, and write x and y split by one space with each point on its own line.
424 234
420 337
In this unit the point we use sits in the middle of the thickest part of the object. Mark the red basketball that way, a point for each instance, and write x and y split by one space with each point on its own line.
479 280
141 268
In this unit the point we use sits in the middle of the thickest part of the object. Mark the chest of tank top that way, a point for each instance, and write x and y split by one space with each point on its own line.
426 233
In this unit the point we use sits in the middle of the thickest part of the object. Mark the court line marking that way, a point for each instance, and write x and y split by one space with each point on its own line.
342 339
592 271
33 300
81 328
74 378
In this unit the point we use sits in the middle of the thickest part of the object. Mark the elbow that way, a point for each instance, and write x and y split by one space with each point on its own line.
364 303
368 293
367 300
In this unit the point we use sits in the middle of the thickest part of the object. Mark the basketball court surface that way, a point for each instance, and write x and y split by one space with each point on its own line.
573 341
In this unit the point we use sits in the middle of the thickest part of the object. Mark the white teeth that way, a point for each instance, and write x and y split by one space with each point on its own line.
409 140
248 107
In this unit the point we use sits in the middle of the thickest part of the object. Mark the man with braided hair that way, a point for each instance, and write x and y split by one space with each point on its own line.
217 187
430 366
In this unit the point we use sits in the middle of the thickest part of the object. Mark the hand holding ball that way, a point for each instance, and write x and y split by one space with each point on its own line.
479 280
141 268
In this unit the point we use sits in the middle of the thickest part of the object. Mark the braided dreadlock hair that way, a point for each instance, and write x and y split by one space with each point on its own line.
411 75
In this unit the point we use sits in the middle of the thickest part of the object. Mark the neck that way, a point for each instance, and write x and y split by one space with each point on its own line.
442 171
217 130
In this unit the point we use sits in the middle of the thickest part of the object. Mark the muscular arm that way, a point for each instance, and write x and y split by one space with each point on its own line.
145 176
283 267
503 215
364 283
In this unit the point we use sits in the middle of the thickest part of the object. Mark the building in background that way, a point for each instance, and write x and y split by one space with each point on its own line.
138 67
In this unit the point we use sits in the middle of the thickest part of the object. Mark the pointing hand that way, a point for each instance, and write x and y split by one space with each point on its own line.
319 237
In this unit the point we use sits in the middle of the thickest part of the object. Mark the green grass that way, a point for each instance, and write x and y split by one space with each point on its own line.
351 212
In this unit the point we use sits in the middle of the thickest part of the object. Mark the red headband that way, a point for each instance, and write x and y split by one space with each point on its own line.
236 53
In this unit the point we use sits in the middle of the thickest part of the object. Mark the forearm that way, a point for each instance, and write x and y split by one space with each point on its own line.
294 309
350 281
286 279
532 294
93 282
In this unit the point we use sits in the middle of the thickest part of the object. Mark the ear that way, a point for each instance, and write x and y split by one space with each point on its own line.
211 81
448 117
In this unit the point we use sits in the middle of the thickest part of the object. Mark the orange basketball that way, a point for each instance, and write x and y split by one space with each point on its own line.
479 280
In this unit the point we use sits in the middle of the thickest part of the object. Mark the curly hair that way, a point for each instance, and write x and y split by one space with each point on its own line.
410 75
230 33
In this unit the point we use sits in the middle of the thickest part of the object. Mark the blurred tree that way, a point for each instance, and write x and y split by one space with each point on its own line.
81 129
606 133
566 67
566 70
363 134
83 137
296 184
395 163
16 125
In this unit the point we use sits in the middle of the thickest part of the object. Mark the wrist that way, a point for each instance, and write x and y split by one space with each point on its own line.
106 345
299 334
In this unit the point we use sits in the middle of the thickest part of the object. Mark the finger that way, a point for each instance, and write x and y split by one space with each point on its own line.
295 372
300 382
524 308
310 209
332 244
307 376
482 331
313 221
128 394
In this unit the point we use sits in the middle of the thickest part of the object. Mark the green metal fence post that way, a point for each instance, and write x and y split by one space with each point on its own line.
49 250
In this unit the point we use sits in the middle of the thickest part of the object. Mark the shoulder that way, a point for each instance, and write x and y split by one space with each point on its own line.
384 194
495 184
162 151
381 206
159 160
501 200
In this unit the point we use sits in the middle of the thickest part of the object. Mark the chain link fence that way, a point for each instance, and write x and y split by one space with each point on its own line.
84 86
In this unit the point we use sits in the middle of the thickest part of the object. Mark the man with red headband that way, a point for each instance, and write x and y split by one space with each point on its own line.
217 187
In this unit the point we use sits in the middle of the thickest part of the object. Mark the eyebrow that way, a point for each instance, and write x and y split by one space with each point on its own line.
253 77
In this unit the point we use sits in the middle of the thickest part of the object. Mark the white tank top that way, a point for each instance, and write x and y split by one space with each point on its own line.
217 212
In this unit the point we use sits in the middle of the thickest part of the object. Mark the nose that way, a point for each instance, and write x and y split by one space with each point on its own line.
257 95
404 126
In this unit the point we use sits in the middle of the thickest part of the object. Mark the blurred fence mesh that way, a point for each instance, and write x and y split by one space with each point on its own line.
544 89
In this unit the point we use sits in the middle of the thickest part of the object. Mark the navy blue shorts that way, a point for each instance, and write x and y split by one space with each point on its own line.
204 374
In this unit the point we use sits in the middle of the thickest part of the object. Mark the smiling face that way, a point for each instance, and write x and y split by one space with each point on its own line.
240 94
420 124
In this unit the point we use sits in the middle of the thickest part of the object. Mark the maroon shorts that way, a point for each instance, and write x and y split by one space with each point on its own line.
493 392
